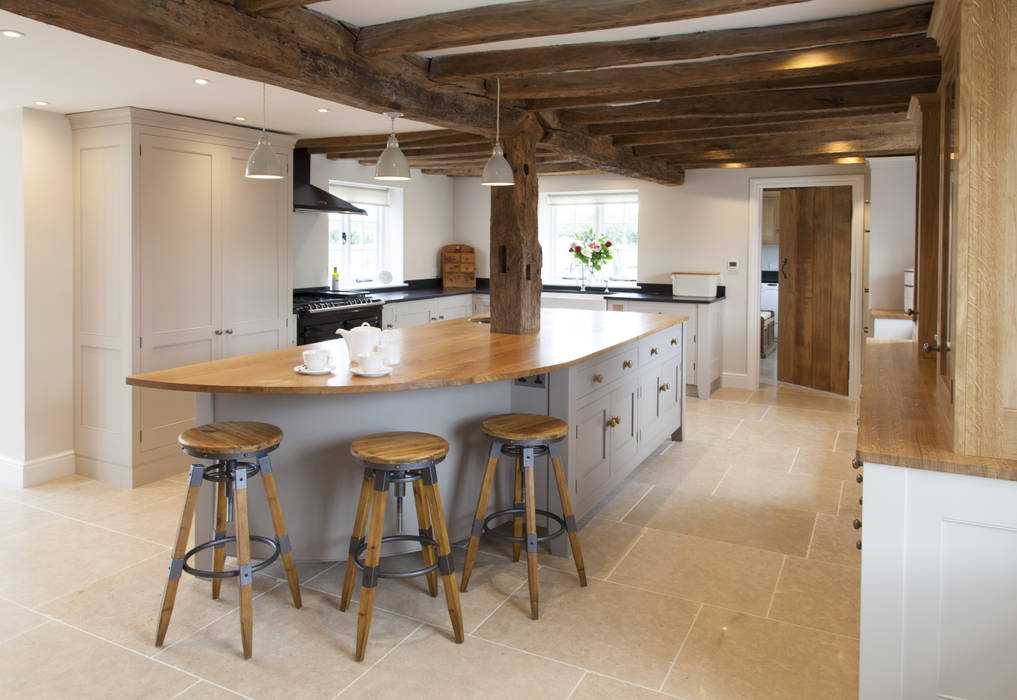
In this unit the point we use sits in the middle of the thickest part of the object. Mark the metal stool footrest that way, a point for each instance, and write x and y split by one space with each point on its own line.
512 511
229 573
357 562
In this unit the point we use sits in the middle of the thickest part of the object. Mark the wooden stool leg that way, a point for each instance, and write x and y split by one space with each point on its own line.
179 550
424 525
517 520
445 564
566 509
478 518
359 526
530 500
279 525
373 556
246 578
219 555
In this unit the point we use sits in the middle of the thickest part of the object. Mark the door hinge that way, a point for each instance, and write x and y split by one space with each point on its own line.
139 150
139 341
694 336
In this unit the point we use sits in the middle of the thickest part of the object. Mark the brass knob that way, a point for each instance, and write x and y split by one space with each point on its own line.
611 422
674 341
654 351
664 387
597 378
858 478
617 420
229 331
857 524
627 364
860 500
856 463
218 331
858 544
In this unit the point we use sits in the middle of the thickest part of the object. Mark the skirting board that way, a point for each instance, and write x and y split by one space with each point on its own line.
125 476
36 471
736 380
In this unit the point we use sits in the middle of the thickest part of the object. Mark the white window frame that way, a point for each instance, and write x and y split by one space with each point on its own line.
389 238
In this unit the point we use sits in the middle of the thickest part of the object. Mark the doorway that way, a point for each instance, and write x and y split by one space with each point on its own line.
819 326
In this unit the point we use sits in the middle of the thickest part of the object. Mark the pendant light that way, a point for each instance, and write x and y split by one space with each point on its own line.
498 172
392 165
263 163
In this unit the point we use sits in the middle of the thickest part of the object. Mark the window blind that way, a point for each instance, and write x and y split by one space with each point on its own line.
572 198
360 194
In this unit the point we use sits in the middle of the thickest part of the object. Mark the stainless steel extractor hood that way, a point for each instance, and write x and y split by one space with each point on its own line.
307 197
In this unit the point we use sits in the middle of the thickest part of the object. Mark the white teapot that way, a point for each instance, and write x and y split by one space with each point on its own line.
363 338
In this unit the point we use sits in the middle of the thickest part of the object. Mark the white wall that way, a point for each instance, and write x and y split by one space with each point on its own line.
427 222
698 226
892 229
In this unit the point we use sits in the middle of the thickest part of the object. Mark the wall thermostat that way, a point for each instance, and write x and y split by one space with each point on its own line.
732 266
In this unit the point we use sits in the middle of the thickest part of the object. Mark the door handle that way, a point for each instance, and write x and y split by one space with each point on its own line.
929 348
782 265
229 331
218 331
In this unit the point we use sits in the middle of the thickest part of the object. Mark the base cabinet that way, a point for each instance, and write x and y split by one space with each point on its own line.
404 314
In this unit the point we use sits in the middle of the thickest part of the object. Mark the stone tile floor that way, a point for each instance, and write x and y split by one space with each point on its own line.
724 567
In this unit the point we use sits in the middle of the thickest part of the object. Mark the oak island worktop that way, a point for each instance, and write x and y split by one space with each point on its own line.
614 377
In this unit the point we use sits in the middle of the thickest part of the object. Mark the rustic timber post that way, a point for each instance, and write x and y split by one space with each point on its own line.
516 257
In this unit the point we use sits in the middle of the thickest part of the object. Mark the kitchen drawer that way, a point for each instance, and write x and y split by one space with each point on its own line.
467 258
653 348
453 258
672 341
453 267
595 375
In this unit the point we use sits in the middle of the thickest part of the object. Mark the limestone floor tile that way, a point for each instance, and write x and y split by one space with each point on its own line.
594 687
90 500
305 653
834 541
15 620
726 409
306 570
782 530
816 594
124 608
695 568
829 464
604 543
728 393
428 665
753 455
816 418
799 491
733 656
781 434
688 466
18 517
56 661
610 629
617 504
60 557
203 690
704 427
847 441
789 396
850 495
155 522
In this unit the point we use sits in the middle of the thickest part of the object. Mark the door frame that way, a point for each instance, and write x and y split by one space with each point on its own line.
756 187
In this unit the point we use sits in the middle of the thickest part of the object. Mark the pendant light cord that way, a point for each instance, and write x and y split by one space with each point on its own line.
497 114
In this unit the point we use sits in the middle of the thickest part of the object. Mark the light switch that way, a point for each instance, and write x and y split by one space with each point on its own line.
732 266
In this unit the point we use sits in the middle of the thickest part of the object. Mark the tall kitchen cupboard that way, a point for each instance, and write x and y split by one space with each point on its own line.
178 259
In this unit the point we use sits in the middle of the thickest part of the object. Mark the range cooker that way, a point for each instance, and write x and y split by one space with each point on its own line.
321 312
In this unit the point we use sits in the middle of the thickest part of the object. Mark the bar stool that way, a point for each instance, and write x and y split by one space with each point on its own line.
525 436
240 451
396 459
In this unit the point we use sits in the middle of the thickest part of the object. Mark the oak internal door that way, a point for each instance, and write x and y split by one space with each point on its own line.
815 287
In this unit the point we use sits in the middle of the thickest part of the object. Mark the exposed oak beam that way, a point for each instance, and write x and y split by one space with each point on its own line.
893 95
257 7
778 161
520 20
566 168
600 153
682 47
687 122
348 143
296 49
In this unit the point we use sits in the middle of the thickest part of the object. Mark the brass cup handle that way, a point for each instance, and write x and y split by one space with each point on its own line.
664 387
627 364
598 378
654 351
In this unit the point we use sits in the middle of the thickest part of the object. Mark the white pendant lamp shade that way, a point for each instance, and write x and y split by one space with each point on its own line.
392 165
263 163
498 172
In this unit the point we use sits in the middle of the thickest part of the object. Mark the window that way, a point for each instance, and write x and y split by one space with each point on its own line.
612 214
363 247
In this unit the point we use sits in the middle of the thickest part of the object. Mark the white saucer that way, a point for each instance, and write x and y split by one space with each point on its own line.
380 372
301 369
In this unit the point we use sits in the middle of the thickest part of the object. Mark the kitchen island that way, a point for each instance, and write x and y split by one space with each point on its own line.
615 377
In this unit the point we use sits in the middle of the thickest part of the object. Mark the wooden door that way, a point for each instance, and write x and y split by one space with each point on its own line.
815 287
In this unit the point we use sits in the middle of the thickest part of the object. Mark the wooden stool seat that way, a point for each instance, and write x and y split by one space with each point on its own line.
230 438
399 449
525 427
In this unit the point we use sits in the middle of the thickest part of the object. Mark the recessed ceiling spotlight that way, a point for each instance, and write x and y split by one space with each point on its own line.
238 118
322 109
11 33
41 103
200 81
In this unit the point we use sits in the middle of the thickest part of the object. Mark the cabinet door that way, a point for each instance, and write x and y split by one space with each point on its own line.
414 313
622 434
254 251
388 316
647 403
456 306
592 462
178 263
481 303
691 339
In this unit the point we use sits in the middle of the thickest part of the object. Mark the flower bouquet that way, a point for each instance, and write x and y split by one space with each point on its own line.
591 252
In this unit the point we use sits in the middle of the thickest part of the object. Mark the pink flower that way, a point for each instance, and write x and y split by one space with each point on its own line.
594 245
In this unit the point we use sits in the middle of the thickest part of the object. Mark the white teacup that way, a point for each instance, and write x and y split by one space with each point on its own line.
390 352
370 361
316 359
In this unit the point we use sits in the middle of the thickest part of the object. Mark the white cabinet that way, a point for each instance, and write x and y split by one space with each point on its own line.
481 304
403 314
569 300
704 342
179 259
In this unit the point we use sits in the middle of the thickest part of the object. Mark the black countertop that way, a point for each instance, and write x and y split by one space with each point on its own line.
645 296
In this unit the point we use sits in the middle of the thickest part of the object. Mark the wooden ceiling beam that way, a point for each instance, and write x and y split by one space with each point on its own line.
693 122
435 137
681 47
777 162
893 95
533 18
258 7
601 153
692 135
296 49
564 168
